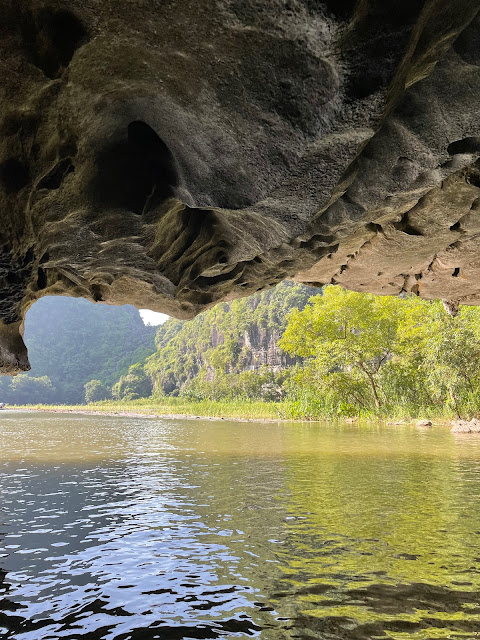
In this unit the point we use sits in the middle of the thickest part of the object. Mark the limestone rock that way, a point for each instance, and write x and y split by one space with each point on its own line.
466 426
422 424
175 154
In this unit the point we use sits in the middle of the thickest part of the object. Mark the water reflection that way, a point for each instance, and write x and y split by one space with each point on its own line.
116 528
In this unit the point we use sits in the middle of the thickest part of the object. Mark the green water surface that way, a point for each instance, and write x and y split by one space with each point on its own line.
121 528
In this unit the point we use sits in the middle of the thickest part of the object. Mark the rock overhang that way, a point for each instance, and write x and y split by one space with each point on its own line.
172 155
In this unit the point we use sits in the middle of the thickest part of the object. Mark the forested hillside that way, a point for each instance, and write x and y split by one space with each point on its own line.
309 353
232 338
70 341
80 351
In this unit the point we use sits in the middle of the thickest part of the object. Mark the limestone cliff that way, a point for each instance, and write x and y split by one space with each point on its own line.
230 338
174 154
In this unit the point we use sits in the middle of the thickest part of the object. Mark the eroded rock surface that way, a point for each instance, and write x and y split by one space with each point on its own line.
173 154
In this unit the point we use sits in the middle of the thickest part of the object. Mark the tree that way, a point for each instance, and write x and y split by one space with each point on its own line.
95 391
25 389
92 341
134 385
444 352
346 337
221 340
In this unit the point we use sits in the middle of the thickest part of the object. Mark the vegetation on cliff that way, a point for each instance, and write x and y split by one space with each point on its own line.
230 350
335 353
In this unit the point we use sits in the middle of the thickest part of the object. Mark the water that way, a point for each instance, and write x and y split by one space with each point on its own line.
143 528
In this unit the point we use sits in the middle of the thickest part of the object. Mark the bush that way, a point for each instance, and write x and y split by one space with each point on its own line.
132 386
95 391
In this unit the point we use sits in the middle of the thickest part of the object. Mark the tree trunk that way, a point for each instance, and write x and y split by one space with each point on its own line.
371 382
454 400
374 390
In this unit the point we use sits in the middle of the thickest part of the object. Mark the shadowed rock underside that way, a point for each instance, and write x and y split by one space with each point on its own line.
174 154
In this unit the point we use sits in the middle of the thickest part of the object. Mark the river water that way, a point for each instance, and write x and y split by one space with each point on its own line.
146 528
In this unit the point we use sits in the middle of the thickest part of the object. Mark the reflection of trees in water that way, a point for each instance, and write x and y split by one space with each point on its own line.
385 546
340 539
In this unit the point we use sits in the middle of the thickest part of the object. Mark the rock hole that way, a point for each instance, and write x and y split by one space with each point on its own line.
318 241
28 257
51 38
45 258
56 176
96 293
455 227
14 277
14 175
373 226
456 272
473 176
411 231
137 173
405 227
363 85
41 278
16 122
466 145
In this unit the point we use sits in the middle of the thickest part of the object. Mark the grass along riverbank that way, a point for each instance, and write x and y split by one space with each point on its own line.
233 409
174 407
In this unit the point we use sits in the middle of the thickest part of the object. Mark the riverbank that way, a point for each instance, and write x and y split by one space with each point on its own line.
238 411
175 409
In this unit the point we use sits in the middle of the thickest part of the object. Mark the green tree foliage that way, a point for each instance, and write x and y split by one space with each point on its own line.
217 345
73 341
133 385
25 389
264 384
367 353
95 391
335 353
346 336
443 353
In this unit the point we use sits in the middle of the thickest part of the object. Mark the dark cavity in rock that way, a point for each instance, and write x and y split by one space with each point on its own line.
137 172
51 38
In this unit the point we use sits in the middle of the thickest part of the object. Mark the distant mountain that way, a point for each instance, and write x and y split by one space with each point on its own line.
72 341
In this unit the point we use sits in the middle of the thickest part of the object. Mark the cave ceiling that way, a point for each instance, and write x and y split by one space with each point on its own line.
171 154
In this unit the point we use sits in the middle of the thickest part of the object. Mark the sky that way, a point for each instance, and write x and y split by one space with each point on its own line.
152 317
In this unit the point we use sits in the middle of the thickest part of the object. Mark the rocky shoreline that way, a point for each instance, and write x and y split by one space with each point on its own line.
466 426
457 426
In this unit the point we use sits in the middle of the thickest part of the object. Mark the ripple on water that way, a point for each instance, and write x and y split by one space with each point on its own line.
174 530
